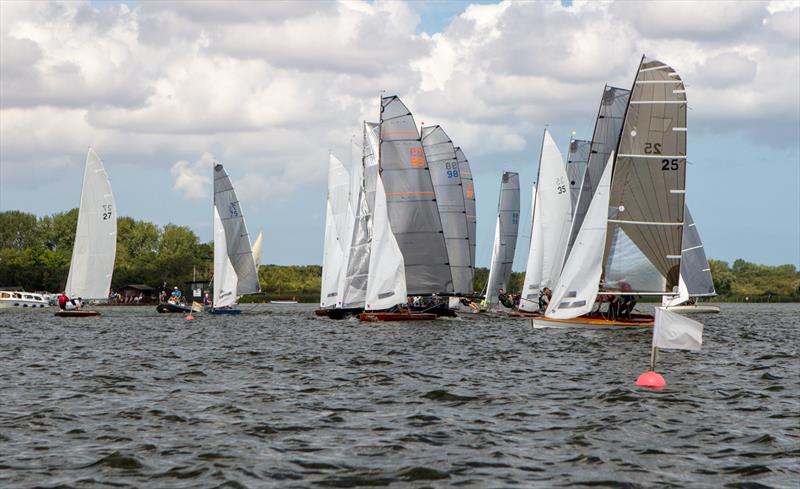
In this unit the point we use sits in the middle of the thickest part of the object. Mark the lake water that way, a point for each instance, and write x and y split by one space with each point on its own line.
278 398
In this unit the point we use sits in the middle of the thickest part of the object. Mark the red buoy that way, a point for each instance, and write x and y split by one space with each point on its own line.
190 317
651 380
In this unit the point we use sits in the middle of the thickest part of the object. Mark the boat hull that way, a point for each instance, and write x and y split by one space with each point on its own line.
695 309
224 311
173 308
337 313
374 317
595 322
441 310
76 314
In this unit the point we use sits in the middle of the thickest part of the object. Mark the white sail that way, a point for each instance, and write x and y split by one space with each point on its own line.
579 283
257 249
530 291
237 240
498 252
386 286
337 225
95 245
225 280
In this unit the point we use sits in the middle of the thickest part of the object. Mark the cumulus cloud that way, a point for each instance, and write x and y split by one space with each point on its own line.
193 180
269 87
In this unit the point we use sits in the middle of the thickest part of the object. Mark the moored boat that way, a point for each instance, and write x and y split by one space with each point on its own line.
20 299
694 309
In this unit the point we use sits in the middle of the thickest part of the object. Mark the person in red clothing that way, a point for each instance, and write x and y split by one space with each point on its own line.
62 301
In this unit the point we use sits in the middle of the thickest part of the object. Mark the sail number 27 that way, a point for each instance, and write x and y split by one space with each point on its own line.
106 211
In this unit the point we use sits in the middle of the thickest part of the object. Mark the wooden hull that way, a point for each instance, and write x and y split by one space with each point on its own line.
173 308
516 313
374 317
595 322
76 314
695 309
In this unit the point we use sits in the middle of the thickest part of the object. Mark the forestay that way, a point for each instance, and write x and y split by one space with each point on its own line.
447 186
468 187
95 246
413 213
237 240
336 227
506 231
605 138
643 245
386 286
575 293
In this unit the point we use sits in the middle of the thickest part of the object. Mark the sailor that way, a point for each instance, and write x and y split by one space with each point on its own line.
544 298
62 301
176 295
505 298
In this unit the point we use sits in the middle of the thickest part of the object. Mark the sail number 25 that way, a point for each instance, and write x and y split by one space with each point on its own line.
667 165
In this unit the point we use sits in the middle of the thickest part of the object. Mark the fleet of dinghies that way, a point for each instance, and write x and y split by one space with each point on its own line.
608 225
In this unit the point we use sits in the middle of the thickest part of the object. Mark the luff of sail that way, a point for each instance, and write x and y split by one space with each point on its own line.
468 187
237 240
95 247
577 160
353 288
336 226
605 138
643 245
506 231
447 186
225 279
411 201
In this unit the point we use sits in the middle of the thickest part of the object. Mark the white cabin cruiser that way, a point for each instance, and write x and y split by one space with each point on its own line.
20 299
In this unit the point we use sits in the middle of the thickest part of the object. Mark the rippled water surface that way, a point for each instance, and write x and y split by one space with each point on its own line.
278 398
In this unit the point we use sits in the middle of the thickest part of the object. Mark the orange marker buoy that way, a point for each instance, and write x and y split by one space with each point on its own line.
651 380
190 317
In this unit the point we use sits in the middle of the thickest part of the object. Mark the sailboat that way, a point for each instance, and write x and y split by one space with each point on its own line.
95 246
235 271
577 160
552 218
695 280
257 249
505 239
629 241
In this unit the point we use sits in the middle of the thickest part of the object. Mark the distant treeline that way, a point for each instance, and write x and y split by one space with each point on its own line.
35 254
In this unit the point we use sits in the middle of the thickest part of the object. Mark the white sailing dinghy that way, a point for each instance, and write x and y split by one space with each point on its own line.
629 243
257 249
550 226
695 280
95 247
235 271
505 240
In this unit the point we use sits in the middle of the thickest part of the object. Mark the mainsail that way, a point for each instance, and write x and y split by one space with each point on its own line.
552 217
605 138
95 246
468 187
643 244
230 229
336 226
450 198
577 160
353 286
413 213
505 239
257 249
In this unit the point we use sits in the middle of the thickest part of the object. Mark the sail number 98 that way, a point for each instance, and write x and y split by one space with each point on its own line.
452 169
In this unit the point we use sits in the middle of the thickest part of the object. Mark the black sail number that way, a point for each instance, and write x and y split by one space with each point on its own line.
667 165
106 212
652 148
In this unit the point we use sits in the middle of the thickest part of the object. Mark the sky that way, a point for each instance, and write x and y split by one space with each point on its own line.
163 89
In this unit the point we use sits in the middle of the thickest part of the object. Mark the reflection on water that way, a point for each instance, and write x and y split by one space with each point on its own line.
277 397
